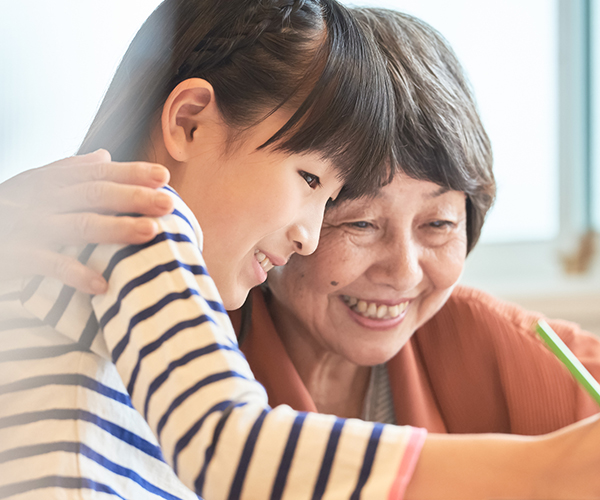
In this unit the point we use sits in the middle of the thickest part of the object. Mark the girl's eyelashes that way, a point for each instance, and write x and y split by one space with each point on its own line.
312 180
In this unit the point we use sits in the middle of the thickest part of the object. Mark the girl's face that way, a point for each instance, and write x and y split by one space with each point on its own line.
383 268
256 207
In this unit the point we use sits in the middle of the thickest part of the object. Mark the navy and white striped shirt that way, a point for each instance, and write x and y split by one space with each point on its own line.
143 393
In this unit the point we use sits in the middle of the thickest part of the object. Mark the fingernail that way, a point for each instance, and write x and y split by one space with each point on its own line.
98 286
163 201
147 227
159 174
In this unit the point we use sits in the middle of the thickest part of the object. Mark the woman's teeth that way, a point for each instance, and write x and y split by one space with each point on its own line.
373 310
263 260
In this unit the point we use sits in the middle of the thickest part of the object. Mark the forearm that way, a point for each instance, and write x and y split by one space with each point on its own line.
562 466
474 466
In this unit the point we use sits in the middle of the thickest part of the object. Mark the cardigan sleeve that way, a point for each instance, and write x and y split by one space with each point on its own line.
171 340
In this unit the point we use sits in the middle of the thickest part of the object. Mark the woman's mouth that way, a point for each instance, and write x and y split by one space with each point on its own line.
375 310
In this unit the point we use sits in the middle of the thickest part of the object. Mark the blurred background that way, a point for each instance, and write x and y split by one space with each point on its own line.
535 69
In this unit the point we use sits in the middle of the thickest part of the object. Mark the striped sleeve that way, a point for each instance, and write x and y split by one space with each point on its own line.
171 340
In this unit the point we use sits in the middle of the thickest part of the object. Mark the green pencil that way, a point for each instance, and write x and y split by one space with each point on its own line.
558 347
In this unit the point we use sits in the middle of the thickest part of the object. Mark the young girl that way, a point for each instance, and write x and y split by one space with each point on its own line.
262 111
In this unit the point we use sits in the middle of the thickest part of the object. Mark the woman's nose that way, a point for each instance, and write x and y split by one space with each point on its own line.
400 265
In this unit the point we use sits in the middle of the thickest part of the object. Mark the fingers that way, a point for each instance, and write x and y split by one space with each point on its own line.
138 173
25 261
78 228
110 197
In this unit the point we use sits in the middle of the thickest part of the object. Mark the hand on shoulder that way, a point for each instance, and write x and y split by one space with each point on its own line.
75 201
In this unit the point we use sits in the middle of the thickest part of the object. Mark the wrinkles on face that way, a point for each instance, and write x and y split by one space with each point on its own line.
405 245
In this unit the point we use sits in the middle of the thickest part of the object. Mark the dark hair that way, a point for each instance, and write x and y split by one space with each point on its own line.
260 55
439 134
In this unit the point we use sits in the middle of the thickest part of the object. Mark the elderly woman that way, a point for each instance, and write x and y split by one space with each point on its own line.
372 325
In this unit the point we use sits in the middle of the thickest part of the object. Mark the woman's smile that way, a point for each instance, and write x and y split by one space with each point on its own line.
385 264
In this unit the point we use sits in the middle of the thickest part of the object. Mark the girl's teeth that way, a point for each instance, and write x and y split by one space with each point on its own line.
372 310
263 260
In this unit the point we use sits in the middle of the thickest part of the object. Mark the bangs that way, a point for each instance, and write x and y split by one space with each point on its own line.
349 115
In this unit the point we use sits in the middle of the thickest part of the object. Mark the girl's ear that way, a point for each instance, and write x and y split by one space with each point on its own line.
189 107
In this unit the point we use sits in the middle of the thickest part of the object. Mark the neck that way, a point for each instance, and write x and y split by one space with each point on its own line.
336 385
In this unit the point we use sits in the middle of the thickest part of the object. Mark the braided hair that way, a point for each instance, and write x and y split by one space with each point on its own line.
260 55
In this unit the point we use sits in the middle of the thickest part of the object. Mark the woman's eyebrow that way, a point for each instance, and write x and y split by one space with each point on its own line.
438 192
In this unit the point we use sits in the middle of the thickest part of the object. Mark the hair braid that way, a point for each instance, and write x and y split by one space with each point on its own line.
219 46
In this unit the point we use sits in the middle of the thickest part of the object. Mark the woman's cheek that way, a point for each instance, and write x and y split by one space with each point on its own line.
446 269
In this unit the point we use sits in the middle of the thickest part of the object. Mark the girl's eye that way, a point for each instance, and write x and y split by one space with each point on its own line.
312 180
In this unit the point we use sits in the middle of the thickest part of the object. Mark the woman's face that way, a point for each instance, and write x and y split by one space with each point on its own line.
256 207
384 266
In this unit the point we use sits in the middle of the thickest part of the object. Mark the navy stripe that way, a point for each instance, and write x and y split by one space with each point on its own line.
332 444
66 294
184 218
115 430
130 250
59 307
215 305
368 460
145 278
86 451
240 475
193 430
65 483
31 288
31 353
90 332
153 346
210 451
172 332
86 253
160 380
147 313
67 379
125 472
288 455
171 190
211 379
16 323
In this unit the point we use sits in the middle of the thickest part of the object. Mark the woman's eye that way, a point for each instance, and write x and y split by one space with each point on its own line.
312 180
361 224
438 224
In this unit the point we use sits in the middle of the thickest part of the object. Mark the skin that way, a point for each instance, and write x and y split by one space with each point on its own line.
406 245
246 199
75 200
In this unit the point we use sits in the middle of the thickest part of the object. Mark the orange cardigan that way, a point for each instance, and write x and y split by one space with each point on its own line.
476 366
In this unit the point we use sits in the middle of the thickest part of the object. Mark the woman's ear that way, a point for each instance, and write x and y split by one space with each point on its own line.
189 106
